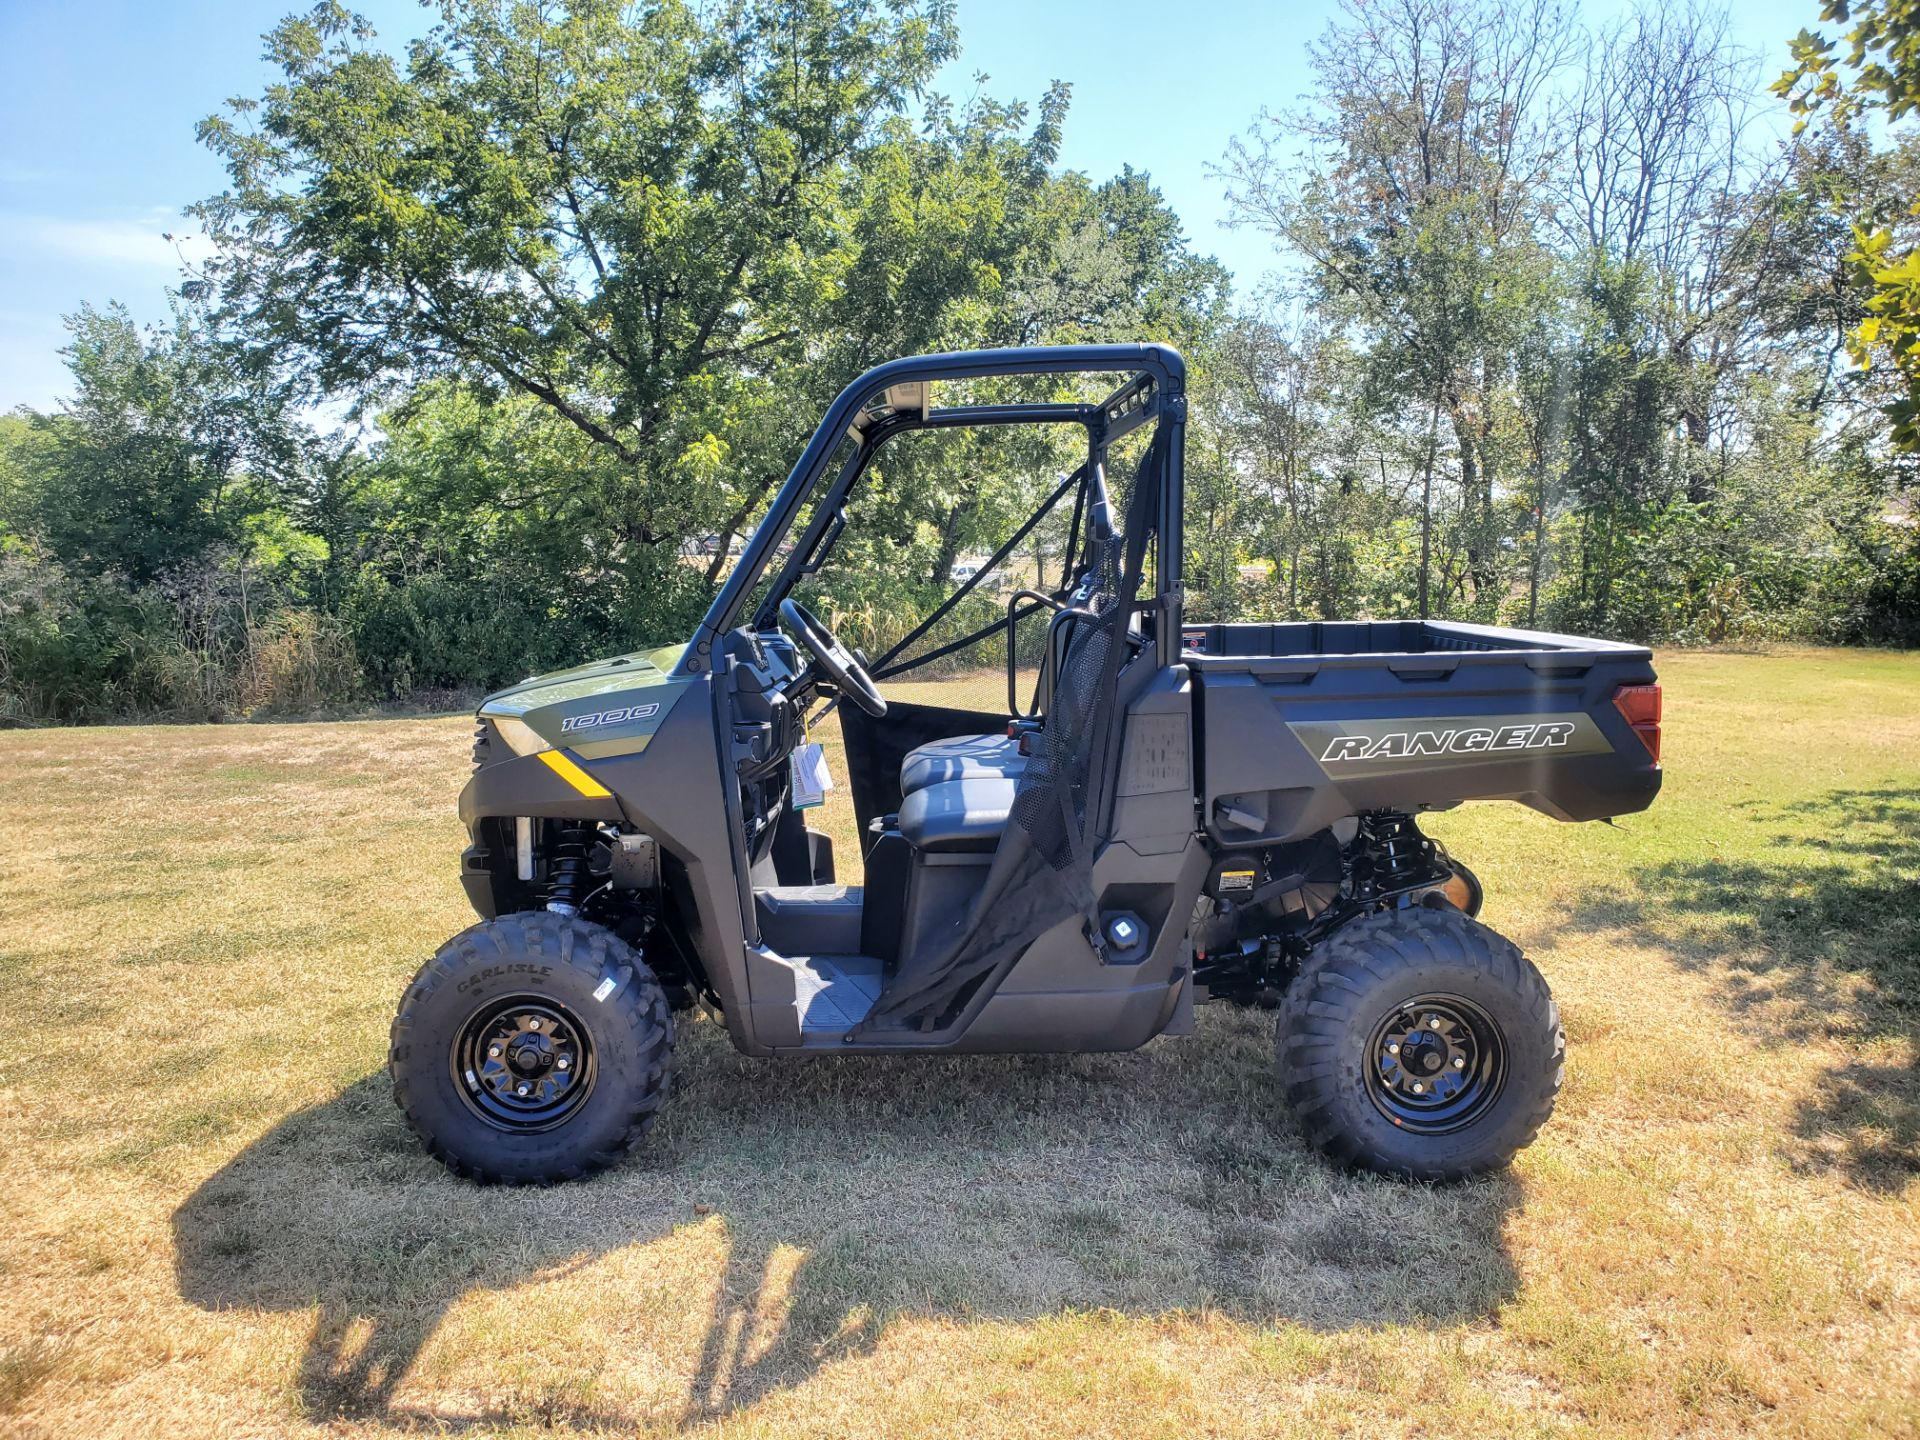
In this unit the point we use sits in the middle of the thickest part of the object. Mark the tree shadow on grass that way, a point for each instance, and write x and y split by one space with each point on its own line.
1817 940
787 1211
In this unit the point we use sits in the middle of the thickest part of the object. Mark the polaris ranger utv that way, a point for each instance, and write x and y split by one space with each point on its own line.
1184 813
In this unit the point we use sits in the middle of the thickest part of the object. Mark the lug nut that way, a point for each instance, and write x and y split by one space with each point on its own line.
1459 1062
1418 1088
562 1063
493 1051
533 1024
1394 1049
1433 1022
528 1090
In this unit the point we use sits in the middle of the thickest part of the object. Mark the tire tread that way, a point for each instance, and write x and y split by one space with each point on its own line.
578 944
1321 1001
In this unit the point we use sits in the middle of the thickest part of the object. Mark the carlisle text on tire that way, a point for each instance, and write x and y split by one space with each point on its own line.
532 1048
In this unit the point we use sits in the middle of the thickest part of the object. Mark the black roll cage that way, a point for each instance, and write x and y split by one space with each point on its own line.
893 398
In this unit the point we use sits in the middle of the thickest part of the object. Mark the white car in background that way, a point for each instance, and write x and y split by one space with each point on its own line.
965 570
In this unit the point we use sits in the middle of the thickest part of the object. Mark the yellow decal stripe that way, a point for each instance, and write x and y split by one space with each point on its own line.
579 779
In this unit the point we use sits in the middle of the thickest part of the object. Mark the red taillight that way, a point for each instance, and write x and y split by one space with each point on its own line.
1639 705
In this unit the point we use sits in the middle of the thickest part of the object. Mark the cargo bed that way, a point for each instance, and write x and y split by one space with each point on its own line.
1305 722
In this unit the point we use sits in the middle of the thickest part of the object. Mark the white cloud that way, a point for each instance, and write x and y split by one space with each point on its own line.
139 241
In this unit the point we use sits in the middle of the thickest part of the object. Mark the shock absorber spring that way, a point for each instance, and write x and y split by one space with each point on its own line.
1400 852
567 869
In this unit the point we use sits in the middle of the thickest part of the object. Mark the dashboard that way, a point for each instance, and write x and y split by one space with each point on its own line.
768 693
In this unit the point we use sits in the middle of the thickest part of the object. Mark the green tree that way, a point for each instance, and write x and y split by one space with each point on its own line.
476 548
1417 218
654 223
1876 70
148 558
168 448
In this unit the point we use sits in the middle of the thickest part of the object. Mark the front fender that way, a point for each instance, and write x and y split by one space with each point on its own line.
535 785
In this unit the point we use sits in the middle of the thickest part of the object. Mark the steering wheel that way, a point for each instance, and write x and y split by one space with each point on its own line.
848 675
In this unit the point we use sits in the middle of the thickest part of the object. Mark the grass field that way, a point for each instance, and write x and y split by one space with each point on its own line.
215 1223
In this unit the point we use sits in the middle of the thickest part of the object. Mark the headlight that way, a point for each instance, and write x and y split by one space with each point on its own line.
520 736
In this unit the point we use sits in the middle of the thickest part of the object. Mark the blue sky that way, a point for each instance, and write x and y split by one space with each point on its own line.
98 104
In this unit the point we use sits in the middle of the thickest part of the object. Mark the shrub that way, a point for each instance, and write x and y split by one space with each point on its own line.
296 662
438 632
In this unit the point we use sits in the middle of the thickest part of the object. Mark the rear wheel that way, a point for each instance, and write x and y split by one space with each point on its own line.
532 1048
1420 1043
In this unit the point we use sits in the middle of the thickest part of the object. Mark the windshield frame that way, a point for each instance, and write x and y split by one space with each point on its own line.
1154 388
816 544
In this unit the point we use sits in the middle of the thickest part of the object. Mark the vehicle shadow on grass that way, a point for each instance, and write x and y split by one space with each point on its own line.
784 1213
1817 940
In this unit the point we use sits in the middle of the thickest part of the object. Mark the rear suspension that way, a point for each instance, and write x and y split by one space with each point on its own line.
1389 857
1263 910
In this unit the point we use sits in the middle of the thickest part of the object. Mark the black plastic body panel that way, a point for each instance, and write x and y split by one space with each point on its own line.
888 860
523 785
673 790
1296 735
476 878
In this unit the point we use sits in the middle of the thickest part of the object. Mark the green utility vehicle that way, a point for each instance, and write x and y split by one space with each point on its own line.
1183 813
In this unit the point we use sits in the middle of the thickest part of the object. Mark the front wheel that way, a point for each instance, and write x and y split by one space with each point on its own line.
1419 1043
532 1048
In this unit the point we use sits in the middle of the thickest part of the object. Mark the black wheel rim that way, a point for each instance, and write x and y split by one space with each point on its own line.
523 1064
1435 1064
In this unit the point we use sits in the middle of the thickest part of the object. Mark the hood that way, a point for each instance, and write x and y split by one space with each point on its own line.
605 707
596 677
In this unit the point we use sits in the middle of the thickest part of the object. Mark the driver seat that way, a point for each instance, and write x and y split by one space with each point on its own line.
990 757
958 816
961 757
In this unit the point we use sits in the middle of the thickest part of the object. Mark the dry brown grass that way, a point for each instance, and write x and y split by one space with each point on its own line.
217 1225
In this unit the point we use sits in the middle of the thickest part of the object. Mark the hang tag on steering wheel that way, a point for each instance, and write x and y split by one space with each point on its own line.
811 780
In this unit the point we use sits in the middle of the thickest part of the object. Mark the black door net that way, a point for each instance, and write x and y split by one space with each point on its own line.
1042 869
